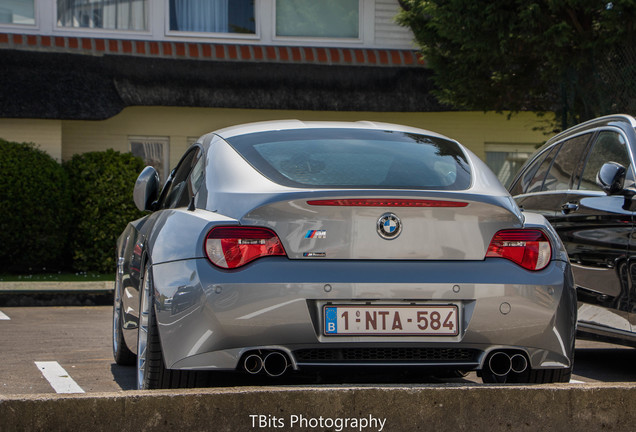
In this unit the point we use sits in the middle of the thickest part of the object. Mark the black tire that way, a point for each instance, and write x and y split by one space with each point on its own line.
535 376
151 370
122 354
490 378
545 376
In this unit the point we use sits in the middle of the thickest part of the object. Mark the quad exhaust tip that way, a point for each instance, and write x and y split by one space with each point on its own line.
518 363
273 363
253 364
501 363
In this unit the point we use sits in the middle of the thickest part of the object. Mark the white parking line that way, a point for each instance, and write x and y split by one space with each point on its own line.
3 317
573 381
58 378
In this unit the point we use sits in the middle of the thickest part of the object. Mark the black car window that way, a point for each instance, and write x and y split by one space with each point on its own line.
178 192
566 164
196 176
355 158
536 183
609 146
527 173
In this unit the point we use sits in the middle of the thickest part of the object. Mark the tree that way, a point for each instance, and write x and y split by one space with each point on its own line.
574 57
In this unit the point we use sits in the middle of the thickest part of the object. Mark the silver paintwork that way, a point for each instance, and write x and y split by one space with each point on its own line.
276 303
146 188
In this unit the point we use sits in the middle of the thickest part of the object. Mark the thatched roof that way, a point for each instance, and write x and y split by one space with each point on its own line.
54 85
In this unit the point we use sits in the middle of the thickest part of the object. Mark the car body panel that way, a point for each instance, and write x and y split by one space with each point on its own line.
208 317
237 312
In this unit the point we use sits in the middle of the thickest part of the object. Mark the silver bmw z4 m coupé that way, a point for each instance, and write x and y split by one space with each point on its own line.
286 246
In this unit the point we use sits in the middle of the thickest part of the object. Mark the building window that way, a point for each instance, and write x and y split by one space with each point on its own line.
212 16
129 15
154 151
318 18
17 12
506 159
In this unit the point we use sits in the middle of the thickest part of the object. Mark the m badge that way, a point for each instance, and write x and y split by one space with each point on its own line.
316 234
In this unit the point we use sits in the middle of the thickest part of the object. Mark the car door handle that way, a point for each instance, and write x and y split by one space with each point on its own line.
569 207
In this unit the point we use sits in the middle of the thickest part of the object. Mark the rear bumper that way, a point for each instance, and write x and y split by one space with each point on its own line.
209 318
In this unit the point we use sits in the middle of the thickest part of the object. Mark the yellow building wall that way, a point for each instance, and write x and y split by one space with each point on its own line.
473 129
46 134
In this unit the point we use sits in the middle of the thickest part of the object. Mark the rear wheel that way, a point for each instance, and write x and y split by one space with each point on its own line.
151 370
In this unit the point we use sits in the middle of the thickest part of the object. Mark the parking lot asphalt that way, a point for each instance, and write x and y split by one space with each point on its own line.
86 328
73 343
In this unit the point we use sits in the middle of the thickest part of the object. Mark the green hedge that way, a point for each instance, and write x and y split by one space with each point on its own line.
101 185
34 210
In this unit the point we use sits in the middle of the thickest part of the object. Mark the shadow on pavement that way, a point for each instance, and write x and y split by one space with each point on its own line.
606 364
124 376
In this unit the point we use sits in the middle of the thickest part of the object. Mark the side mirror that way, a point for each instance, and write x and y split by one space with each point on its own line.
611 178
146 189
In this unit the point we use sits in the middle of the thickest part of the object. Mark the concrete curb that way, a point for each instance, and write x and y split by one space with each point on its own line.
55 287
40 293
562 407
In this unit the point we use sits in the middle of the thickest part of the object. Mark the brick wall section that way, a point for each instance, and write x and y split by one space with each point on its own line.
212 51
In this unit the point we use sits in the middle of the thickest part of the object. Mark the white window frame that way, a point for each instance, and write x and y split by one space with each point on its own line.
211 35
165 144
363 6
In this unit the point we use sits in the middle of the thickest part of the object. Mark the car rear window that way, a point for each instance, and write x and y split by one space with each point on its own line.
355 158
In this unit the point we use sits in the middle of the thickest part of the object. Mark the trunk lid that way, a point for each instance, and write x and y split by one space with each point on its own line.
432 226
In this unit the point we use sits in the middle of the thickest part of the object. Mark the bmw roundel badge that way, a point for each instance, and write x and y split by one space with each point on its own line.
389 226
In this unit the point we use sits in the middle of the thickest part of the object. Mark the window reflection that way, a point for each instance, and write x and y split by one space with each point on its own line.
318 18
212 16
17 12
103 14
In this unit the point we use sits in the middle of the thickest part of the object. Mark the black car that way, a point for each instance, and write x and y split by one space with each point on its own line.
582 180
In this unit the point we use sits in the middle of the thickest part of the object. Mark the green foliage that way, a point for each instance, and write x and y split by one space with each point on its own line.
101 188
35 208
539 55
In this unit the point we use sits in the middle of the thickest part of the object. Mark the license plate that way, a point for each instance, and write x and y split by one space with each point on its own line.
429 320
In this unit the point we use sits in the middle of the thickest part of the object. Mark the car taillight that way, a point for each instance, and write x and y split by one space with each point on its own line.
386 202
529 248
232 247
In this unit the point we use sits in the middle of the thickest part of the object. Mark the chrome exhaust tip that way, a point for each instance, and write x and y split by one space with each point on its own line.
253 364
275 364
500 364
518 363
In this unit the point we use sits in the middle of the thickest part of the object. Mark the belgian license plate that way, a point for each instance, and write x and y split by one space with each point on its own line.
422 320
